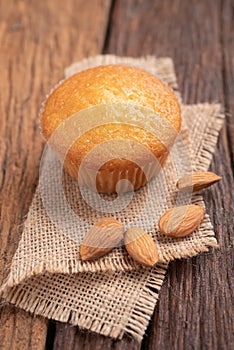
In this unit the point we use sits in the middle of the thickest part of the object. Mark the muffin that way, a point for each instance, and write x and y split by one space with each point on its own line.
88 93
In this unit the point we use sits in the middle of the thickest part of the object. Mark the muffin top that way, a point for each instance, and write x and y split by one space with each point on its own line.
108 85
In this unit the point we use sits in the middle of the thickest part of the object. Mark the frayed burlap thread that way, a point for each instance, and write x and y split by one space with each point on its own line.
112 295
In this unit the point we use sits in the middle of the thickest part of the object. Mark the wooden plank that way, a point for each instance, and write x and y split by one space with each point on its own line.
227 40
194 308
136 44
20 330
70 338
38 39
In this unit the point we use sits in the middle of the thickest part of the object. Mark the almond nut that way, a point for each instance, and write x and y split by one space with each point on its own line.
103 236
197 181
181 221
141 246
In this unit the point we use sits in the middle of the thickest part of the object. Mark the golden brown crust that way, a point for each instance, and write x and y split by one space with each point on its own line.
107 85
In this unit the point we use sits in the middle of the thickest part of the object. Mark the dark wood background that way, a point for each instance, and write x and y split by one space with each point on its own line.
37 40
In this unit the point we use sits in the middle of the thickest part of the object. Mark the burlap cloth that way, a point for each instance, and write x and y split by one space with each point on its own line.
112 295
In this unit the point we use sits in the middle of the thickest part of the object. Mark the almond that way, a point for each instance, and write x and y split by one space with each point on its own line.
103 236
181 221
140 246
197 181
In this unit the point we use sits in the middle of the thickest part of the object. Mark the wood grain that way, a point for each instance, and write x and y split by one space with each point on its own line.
69 338
194 311
37 39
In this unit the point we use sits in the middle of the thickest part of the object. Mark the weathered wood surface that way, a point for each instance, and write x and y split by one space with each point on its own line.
38 39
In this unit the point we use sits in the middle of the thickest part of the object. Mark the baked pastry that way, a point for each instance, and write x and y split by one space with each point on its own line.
116 85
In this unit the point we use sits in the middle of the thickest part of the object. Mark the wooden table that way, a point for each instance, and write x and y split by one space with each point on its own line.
38 39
